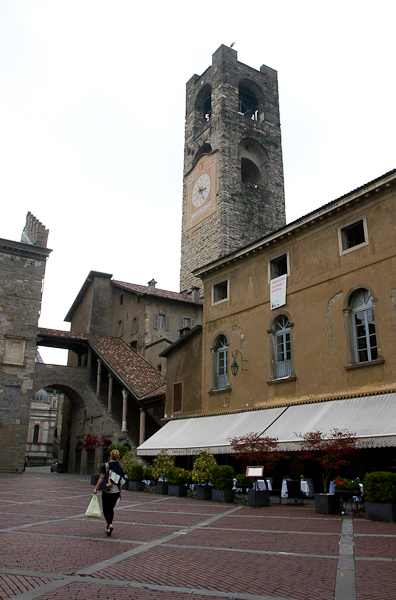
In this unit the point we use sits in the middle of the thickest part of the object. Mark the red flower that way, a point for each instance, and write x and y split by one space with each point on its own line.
339 482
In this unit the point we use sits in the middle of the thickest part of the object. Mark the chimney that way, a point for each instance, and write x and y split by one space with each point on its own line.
34 232
151 285
196 296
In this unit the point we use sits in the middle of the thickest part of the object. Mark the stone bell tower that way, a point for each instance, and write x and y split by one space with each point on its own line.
233 191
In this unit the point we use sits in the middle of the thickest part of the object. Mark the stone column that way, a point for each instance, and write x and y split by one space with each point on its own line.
110 394
89 360
98 377
124 410
142 427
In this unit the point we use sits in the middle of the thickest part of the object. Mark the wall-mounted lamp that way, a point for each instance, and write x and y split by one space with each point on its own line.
235 366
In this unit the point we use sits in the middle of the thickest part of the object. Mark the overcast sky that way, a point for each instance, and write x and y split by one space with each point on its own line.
92 97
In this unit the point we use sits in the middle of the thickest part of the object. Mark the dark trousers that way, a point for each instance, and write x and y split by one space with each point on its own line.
108 503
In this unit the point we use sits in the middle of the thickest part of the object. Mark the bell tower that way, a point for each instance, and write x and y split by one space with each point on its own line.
233 192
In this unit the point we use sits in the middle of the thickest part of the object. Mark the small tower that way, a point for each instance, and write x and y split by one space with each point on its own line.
34 232
233 190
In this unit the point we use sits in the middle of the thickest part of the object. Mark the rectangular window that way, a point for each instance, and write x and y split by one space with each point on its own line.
278 266
220 292
161 321
186 322
177 396
121 299
120 328
352 236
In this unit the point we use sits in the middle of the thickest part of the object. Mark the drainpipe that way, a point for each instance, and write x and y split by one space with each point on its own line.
124 410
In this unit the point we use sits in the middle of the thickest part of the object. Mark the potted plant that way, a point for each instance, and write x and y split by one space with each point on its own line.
380 496
161 465
257 450
126 463
135 478
222 481
331 452
90 443
201 474
178 479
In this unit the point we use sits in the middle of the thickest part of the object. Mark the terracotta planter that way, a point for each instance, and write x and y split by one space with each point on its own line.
162 488
257 498
177 490
380 511
204 492
135 486
222 495
327 504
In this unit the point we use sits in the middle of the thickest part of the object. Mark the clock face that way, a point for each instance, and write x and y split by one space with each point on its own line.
201 190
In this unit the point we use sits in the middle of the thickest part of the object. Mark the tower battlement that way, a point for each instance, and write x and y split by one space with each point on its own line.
233 190
34 232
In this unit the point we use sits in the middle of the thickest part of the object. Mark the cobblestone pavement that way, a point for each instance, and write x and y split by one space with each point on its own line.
181 549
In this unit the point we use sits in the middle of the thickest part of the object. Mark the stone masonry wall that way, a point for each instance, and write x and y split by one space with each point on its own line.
22 269
245 211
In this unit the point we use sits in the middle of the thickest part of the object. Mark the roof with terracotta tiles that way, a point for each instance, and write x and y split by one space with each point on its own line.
127 365
144 291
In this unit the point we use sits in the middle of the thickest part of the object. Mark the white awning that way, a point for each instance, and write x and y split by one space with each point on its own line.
372 419
189 436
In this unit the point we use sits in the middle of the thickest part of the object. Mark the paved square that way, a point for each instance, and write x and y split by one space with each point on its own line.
182 549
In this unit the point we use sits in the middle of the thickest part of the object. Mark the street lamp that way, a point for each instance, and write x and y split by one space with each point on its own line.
235 366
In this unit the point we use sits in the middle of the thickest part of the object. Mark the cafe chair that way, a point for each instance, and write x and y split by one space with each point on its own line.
294 493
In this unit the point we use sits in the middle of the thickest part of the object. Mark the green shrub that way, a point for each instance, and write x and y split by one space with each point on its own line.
202 469
243 481
380 486
178 476
127 461
148 473
161 465
342 483
120 447
135 472
223 477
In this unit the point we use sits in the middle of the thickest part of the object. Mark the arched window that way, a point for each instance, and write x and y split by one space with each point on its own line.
363 326
36 432
220 366
248 103
203 105
282 347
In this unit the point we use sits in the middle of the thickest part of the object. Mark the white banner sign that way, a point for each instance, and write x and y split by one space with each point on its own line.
278 291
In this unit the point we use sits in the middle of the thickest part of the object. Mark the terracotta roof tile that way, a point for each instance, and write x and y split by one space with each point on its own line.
141 289
131 368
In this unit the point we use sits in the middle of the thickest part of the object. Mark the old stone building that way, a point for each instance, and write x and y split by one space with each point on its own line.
233 189
22 267
45 425
298 334
148 319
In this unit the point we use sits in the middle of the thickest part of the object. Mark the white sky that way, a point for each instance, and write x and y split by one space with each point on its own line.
92 98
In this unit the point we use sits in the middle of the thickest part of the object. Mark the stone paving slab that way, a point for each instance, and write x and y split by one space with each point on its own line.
14 585
375 580
264 540
225 571
183 549
55 554
287 524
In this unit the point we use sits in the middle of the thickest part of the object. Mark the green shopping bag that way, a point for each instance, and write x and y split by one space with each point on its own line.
93 511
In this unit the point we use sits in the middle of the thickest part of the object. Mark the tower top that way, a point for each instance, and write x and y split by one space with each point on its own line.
34 232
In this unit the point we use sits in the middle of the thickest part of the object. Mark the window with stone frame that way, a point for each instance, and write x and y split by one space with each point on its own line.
161 321
352 235
220 366
363 326
220 292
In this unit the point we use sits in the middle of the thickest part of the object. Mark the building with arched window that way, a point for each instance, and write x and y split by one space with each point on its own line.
306 318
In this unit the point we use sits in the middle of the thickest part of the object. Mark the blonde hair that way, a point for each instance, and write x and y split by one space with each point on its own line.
114 455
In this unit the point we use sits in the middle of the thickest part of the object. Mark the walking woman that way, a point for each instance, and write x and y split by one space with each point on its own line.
111 491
